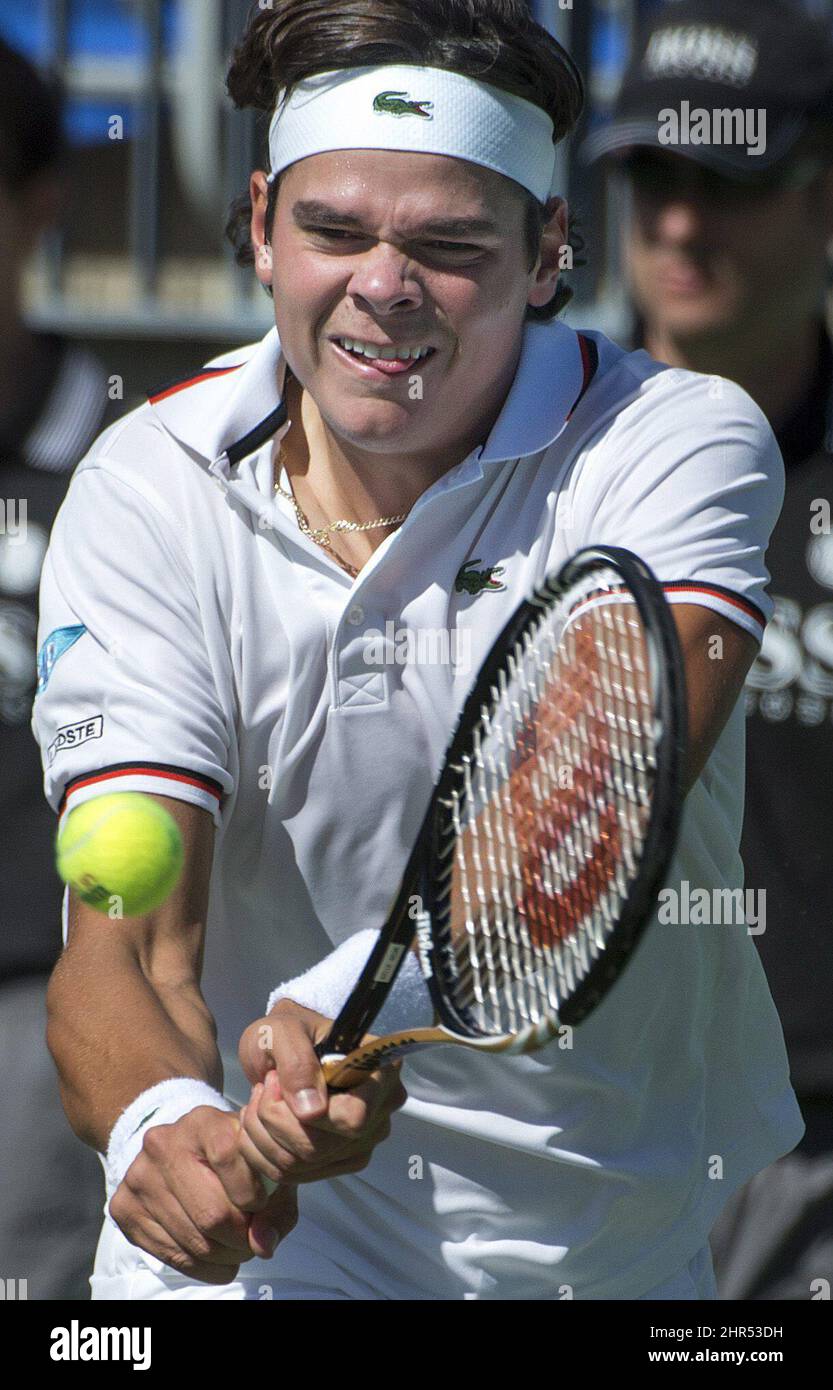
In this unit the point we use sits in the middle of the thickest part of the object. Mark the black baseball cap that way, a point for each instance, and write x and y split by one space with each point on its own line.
707 56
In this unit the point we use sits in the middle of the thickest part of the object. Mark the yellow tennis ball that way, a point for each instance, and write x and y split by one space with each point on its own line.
125 846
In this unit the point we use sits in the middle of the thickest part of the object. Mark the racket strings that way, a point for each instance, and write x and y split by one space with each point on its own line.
548 812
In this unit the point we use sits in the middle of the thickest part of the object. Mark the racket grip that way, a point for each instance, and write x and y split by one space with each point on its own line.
342 1073
338 1075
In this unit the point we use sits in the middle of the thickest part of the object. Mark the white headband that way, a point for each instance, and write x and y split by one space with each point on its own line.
425 110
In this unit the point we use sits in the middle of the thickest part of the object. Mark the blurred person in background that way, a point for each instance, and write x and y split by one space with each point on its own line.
53 403
726 254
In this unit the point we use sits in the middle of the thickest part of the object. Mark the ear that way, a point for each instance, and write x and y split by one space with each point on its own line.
553 257
259 194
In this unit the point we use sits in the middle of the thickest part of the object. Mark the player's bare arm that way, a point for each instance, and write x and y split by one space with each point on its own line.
125 1013
717 656
187 1196
143 1017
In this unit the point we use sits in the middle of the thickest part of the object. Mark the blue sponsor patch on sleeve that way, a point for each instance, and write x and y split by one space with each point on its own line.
53 649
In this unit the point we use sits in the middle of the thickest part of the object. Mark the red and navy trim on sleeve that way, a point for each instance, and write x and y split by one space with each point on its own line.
688 586
168 777
685 587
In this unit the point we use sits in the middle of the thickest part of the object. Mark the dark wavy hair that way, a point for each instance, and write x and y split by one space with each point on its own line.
496 41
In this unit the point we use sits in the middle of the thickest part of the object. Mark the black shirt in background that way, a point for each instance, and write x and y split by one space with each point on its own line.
787 843
788 827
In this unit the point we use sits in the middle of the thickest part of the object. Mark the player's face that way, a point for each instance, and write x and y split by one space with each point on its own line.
707 255
410 251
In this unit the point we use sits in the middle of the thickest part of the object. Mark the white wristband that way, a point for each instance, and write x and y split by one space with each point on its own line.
162 1104
327 986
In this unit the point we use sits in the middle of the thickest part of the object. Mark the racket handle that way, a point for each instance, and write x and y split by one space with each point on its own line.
340 1076
343 1073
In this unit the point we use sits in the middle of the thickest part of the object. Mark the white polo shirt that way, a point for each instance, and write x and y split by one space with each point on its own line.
195 644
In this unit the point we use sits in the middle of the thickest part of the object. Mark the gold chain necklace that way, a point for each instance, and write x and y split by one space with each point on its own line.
321 534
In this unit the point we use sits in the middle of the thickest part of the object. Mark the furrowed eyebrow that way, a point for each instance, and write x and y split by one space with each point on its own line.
326 216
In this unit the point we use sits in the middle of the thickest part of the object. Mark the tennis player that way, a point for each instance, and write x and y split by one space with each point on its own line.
264 601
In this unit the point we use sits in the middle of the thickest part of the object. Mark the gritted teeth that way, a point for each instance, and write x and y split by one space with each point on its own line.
385 354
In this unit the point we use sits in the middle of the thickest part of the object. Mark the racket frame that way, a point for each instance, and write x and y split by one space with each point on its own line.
417 909
669 700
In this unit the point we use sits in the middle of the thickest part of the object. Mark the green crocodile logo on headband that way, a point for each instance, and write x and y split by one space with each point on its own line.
392 104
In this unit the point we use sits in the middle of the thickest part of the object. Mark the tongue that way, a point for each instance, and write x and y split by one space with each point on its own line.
391 365
383 364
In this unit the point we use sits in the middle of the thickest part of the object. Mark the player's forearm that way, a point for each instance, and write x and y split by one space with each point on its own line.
717 657
114 1031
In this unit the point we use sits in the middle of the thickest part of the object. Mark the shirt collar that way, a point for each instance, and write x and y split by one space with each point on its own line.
236 403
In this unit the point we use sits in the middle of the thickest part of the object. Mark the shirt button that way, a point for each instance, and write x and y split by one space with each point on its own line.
355 616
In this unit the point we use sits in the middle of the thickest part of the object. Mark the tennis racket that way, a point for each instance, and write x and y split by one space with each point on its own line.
550 828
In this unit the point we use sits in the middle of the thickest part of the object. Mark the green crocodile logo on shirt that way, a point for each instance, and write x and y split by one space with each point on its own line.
472 581
394 104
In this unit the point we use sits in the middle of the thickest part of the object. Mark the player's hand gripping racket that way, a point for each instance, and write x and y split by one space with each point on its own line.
550 828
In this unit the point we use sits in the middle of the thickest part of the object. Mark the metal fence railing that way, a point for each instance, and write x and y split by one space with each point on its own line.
142 250
159 65
159 132
163 190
